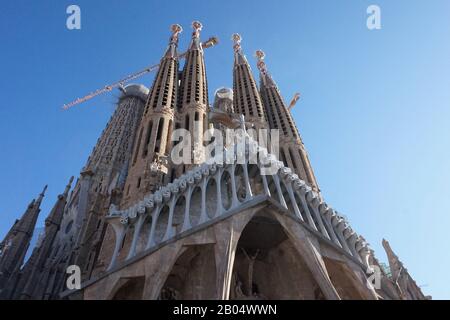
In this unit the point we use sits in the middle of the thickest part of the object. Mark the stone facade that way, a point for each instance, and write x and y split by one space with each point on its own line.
140 226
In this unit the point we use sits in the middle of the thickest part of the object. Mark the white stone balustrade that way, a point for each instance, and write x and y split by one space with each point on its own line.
210 191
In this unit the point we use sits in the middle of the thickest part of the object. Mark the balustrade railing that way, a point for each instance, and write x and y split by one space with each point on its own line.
212 190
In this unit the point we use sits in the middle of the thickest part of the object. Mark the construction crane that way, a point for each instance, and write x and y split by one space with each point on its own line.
207 44
294 101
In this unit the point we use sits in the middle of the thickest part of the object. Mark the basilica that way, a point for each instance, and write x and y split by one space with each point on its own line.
138 225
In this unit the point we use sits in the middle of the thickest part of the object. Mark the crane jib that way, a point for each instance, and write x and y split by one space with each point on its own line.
207 44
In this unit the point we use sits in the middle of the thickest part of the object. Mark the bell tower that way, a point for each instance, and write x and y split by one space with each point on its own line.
193 99
246 100
292 149
150 158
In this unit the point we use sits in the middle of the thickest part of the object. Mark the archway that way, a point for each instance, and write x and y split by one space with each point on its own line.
268 266
343 281
193 276
131 290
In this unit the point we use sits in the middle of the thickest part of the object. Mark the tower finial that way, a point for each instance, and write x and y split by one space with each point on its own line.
260 55
69 185
41 196
237 42
197 26
176 30
172 49
195 43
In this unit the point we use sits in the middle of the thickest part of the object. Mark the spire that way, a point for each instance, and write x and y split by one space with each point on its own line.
69 185
152 146
32 269
247 100
278 114
41 196
193 96
406 287
395 264
28 221
14 247
171 51
57 212
292 152
193 88
163 91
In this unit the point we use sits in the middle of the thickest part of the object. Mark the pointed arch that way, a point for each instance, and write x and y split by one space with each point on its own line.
342 279
192 276
130 289
268 266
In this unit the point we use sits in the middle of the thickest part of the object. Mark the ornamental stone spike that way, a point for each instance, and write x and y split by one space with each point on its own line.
41 196
69 185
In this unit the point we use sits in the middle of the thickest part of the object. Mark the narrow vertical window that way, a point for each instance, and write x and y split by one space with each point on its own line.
137 146
169 137
138 183
159 134
186 124
147 139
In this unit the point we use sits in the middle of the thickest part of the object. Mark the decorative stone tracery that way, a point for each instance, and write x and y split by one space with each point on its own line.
213 190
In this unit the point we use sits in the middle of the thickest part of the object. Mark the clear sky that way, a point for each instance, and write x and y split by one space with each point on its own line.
374 113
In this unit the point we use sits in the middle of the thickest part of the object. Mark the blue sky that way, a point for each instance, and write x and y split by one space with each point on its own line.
374 113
